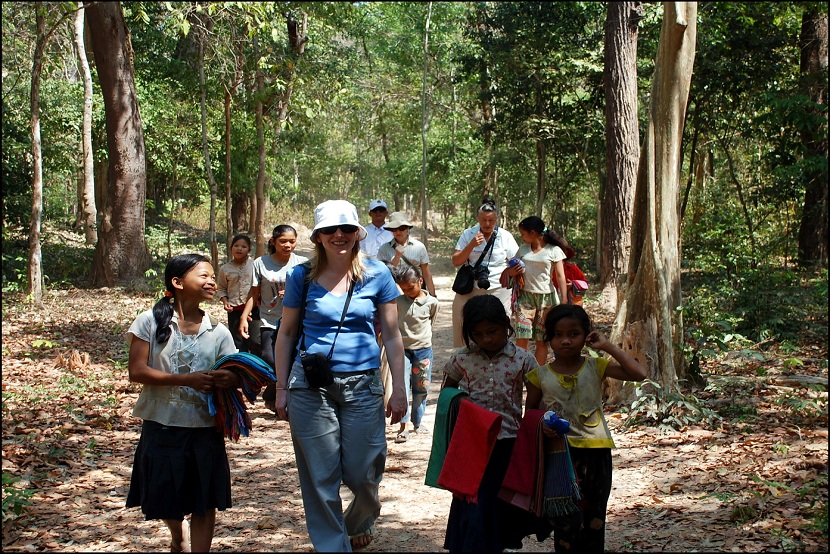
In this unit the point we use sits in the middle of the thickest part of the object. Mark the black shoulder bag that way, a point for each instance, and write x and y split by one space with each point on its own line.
467 273
317 366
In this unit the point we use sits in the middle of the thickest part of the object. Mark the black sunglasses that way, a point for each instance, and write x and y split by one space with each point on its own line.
346 229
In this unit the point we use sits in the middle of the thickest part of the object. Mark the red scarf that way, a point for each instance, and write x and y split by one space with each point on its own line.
471 444
521 483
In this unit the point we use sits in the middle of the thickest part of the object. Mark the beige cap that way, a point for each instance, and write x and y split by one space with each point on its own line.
398 219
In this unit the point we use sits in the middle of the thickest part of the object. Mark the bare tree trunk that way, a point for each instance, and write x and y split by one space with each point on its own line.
35 288
424 128
173 204
259 218
747 218
541 166
239 211
648 324
487 116
622 143
231 224
121 253
88 188
812 235
214 248
252 213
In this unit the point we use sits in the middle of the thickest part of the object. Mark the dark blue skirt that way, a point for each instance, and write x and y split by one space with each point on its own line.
179 471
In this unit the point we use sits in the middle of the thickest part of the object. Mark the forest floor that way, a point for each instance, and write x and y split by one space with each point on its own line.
756 483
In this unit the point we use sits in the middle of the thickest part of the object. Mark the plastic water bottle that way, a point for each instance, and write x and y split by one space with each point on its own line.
553 421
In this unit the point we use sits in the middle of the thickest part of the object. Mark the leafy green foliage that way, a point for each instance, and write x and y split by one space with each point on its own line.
730 311
14 498
800 408
667 409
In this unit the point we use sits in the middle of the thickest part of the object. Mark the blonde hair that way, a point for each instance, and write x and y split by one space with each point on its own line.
319 262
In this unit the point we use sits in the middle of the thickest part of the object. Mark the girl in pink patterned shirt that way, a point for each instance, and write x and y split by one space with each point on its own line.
492 371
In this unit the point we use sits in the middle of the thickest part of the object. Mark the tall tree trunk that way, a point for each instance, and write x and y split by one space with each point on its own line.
252 213
487 116
259 218
541 150
239 212
648 324
231 223
622 144
812 235
202 38
35 285
87 207
750 229
541 167
424 128
121 253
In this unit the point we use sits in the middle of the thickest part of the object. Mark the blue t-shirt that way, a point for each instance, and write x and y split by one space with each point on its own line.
356 348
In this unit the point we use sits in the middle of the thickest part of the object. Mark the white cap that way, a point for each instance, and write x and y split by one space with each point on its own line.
377 204
336 212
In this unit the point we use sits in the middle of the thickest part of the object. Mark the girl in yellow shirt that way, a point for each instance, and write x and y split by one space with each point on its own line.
571 386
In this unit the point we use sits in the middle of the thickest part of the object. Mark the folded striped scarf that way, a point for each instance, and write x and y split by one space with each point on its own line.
226 405
561 487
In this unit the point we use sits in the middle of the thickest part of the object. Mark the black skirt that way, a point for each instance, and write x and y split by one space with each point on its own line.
492 524
179 471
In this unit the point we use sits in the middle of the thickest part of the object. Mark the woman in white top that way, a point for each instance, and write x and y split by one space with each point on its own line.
542 254
469 248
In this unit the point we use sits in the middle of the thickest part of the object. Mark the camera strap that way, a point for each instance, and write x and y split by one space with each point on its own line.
342 316
392 243
487 249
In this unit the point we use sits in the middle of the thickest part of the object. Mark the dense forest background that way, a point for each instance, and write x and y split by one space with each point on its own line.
491 86
135 131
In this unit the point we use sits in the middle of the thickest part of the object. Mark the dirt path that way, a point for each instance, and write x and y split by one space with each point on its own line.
68 432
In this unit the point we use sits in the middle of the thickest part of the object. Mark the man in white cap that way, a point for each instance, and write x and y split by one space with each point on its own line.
375 233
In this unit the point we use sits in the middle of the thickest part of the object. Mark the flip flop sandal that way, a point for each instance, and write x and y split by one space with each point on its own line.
403 436
370 532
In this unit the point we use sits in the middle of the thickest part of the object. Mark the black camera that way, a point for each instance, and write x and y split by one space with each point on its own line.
482 276
317 369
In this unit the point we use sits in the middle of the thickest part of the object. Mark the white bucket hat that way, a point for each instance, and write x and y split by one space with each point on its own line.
336 212
398 220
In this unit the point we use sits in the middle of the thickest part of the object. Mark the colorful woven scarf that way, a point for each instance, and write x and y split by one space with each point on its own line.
516 284
561 487
226 405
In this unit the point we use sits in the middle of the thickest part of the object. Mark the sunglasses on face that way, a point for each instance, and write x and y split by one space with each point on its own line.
345 229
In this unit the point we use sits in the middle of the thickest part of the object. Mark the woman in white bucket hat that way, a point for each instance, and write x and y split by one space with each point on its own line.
338 429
